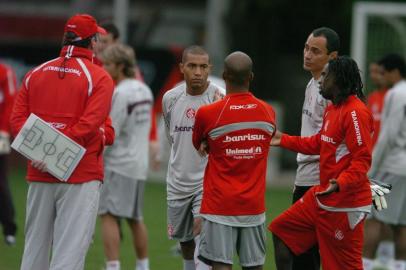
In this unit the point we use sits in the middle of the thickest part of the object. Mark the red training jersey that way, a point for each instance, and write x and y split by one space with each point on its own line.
375 104
344 144
238 130
8 92
74 96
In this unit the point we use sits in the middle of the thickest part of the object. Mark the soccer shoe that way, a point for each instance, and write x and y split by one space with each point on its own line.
10 240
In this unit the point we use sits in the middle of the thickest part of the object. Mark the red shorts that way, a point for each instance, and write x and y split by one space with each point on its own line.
305 225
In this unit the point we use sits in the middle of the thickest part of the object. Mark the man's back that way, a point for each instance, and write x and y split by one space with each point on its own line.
131 116
238 130
73 95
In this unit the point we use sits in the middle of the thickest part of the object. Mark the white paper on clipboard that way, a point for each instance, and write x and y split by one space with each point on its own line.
37 140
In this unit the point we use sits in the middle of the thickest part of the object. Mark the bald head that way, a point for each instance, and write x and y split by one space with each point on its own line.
238 70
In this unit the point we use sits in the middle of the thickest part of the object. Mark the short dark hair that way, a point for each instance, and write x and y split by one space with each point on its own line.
112 29
393 61
69 39
347 77
332 38
194 49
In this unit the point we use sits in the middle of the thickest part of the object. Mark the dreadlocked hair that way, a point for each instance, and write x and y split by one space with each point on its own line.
347 77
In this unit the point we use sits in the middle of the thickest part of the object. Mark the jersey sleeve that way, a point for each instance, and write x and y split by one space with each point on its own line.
96 112
358 128
21 110
198 129
109 133
8 88
166 116
305 145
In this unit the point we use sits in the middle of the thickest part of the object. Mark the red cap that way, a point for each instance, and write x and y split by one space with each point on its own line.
84 26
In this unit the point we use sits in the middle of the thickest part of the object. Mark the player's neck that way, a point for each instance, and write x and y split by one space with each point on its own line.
316 74
120 78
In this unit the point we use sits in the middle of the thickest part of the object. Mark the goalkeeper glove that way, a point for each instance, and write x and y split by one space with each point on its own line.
379 190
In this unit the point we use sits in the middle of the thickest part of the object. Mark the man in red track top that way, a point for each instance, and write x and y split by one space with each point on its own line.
332 214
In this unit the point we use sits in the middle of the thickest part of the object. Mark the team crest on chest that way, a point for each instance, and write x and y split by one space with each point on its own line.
190 113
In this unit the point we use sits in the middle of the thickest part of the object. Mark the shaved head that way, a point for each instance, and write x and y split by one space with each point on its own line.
238 69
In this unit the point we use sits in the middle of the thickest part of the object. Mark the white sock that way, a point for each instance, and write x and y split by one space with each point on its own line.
368 264
189 265
142 264
113 265
385 252
199 264
399 265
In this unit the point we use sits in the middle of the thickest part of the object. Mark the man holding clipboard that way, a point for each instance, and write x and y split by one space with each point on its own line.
74 96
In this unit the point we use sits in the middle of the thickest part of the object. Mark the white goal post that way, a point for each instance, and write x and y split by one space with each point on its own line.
377 28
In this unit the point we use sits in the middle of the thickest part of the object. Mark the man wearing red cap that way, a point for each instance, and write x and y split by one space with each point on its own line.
73 95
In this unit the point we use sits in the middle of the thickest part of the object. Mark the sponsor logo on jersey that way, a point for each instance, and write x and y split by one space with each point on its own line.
57 125
243 106
356 127
190 113
63 69
183 128
307 112
244 151
327 139
247 137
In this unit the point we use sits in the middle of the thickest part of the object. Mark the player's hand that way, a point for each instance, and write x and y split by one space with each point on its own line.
39 165
276 139
332 187
378 195
4 142
203 149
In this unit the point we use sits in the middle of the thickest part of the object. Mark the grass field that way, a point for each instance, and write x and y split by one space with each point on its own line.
160 255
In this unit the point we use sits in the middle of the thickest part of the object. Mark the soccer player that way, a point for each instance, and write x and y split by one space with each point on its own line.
321 46
236 133
74 95
126 162
389 157
7 95
373 228
112 37
331 214
186 167
375 99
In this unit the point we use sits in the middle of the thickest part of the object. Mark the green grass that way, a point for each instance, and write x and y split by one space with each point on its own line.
155 219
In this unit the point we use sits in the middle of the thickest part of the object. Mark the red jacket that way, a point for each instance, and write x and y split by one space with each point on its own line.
238 130
74 95
344 144
8 92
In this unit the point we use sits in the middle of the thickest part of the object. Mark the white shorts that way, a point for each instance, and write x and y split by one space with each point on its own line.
218 243
122 196
181 214
395 214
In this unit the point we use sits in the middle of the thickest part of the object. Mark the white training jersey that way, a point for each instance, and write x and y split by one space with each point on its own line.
185 167
308 171
131 116
389 154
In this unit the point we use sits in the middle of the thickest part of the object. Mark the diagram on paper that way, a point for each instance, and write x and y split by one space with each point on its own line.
37 140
